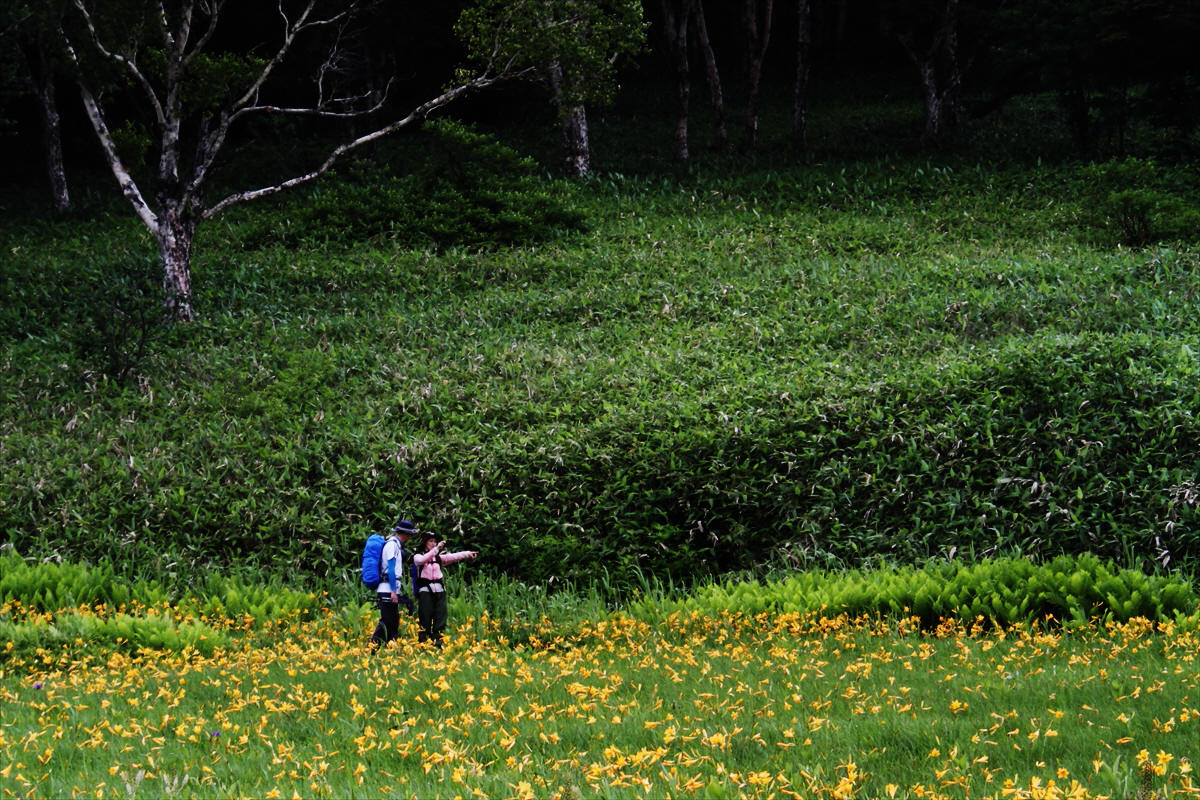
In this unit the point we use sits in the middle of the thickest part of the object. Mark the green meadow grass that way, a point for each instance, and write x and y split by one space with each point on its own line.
617 706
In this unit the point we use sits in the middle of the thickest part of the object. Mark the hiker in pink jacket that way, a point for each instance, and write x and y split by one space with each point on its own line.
431 593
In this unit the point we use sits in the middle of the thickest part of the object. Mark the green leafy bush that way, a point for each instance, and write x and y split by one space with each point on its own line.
73 633
459 188
125 319
52 587
262 603
1001 591
1133 200
102 314
777 365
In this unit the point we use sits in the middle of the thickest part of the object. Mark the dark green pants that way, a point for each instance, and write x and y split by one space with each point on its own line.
431 613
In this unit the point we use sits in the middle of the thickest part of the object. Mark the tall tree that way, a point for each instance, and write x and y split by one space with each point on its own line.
928 32
803 68
30 27
756 26
677 15
683 22
715 92
166 61
572 45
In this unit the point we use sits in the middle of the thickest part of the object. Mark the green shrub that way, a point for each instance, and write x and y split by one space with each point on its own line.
1133 200
52 587
459 188
803 365
55 586
100 315
1002 591
262 603
69 634
125 319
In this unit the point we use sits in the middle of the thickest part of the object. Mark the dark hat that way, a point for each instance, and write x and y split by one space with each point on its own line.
430 536
404 527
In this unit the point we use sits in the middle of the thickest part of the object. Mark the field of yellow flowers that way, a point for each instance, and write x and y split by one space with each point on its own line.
683 706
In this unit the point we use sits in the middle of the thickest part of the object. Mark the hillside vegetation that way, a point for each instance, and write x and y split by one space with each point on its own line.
757 362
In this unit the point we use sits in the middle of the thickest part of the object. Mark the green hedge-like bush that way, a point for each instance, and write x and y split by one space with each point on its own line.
1042 445
1034 447
72 633
53 586
445 186
1133 200
234 599
802 367
1002 591
133 614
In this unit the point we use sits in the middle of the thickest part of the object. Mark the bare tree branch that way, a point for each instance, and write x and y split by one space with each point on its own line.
419 113
164 26
291 31
319 110
129 188
178 203
213 10
129 65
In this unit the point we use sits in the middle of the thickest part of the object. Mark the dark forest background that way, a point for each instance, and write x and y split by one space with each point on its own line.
1112 67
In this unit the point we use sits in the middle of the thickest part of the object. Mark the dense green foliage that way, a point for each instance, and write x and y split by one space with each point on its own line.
1000 592
71 607
444 186
55 606
77 632
748 365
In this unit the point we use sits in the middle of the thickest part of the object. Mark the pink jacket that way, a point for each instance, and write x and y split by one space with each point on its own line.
428 567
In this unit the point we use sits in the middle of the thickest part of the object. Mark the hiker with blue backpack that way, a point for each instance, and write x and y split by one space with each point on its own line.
432 609
383 570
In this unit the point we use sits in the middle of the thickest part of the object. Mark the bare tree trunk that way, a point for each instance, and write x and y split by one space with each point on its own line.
939 68
576 146
953 111
716 95
577 149
42 77
756 24
174 235
803 67
675 29
933 99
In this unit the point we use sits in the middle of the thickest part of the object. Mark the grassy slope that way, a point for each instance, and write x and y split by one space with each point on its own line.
751 360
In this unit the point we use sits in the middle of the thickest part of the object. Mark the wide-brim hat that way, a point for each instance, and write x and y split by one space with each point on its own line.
404 528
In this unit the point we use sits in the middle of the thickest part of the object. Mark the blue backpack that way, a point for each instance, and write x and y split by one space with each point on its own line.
372 566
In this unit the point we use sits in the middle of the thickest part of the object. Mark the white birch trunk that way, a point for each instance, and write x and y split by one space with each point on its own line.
577 148
174 237
573 125
51 125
